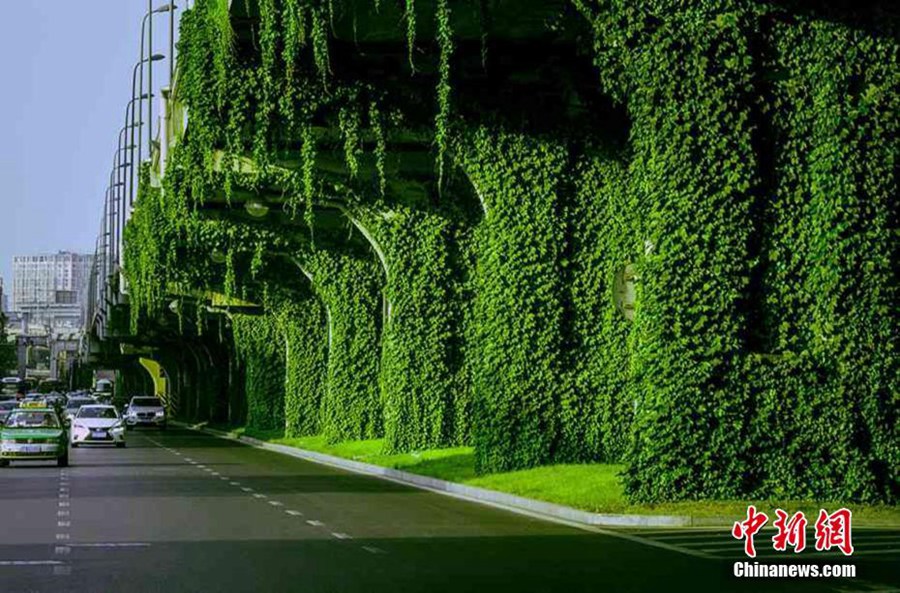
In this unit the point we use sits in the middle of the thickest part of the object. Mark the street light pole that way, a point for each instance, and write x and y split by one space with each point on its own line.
131 125
140 142
170 8
150 85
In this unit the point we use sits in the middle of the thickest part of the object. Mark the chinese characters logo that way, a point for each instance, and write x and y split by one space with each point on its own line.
831 531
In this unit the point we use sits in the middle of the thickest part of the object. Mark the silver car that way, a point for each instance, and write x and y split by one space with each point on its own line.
74 404
146 411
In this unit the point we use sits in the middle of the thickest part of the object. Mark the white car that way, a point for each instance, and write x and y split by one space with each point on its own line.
97 425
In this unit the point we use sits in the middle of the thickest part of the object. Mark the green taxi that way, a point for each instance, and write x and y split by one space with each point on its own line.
34 433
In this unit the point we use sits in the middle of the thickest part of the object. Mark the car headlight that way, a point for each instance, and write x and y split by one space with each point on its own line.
160 414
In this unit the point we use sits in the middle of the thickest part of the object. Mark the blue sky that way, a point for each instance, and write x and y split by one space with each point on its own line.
66 81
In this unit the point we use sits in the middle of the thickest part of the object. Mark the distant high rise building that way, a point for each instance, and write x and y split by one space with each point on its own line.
4 299
51 288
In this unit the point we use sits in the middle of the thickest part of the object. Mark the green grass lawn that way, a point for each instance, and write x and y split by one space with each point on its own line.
591 487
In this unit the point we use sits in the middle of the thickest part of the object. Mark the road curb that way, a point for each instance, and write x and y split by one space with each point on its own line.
529 506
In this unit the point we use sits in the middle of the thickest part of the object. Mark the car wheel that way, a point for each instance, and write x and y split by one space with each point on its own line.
120 445
4 462
74 445
63 461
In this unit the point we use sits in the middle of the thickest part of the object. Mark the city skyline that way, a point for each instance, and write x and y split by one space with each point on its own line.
51 288
71 87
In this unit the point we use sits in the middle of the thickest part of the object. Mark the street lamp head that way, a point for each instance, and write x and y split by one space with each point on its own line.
166 7
157 57
218 256
256 209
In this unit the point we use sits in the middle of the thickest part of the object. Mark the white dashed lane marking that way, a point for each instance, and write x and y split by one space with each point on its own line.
291 512
373 550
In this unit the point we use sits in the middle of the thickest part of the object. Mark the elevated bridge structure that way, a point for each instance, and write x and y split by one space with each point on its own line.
558 231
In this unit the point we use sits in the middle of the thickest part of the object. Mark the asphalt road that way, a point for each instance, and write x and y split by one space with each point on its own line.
182 511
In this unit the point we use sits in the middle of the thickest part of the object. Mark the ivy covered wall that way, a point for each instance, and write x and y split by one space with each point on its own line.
419 361
753 206
349 289
303 325
604 237
260 346
518 300
764 171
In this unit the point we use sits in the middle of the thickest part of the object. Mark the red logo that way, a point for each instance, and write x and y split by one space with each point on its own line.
791 532
832 530
746 529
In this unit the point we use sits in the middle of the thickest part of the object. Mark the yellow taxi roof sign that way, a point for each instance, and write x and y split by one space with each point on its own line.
33 405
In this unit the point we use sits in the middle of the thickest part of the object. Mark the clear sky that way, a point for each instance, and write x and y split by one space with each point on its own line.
66 67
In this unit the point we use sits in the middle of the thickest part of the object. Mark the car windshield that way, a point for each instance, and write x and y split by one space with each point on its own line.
97 412
74 404
32 419
146 402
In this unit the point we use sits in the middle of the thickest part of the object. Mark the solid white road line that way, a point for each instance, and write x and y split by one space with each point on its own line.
30 562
